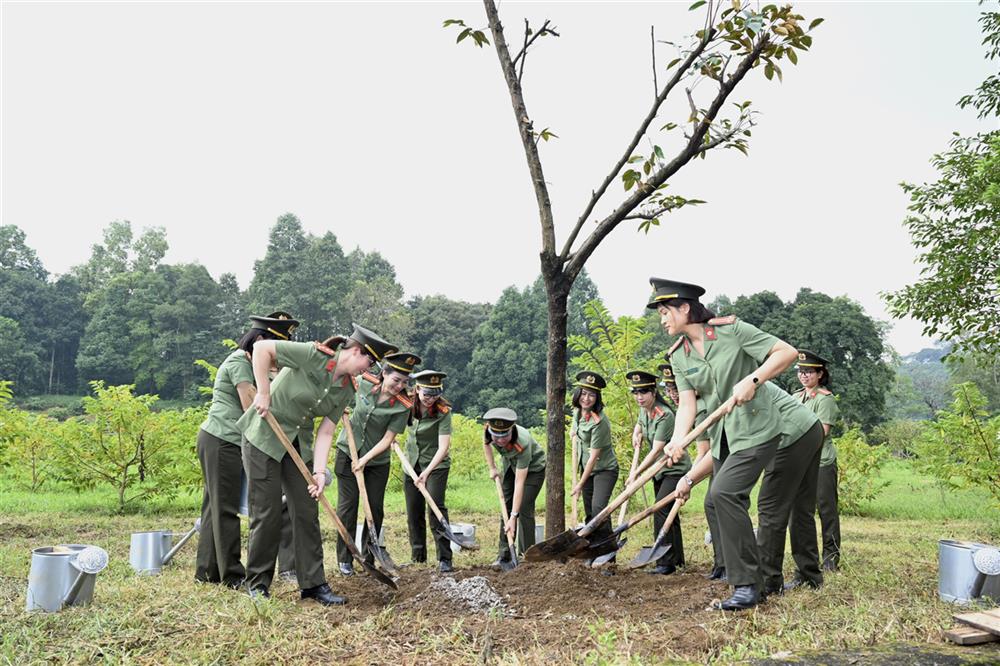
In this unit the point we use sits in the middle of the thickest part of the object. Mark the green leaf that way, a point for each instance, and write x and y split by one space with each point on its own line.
635 158
673 62
769 71
462 35
697 5
791 56
815 22
453 22
658 152
668 127
480 38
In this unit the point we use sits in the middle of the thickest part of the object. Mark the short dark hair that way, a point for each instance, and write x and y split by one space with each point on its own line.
697 314
251 336
598 404
825 379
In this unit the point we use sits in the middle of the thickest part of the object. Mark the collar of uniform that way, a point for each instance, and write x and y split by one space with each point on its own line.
331 365
657 411
592 416
710 333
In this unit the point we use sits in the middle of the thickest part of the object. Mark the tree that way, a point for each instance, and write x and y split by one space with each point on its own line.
837 329
15 255
443 334
734 40
953 223
19 362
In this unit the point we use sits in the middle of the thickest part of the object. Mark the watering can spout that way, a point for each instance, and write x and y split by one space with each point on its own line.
88 562
180 542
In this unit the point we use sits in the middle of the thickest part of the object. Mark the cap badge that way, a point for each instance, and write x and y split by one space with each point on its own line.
591 379
636 377
802 356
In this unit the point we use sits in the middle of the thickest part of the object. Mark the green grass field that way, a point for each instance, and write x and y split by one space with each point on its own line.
885 594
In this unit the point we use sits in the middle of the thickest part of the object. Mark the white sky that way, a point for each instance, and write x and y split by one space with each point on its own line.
365 119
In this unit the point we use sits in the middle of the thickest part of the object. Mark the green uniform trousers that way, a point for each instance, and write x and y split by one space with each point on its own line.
218 558
268 479
348 497
829 514
674 556
286 549
596 494
789 492
734 480
526 520
713 521
416 506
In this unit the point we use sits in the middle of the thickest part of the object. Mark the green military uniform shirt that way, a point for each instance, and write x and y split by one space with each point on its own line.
226 408
594 433
733 350
531 456
422 441
371 419
824 405
660 427
796 420
303 390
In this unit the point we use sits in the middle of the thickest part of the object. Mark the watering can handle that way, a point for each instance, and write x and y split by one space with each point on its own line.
183 540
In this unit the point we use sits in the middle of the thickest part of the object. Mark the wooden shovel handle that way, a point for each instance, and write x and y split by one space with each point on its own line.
631 470
654 468
408 468
650 510
669 521
576 444
359 476
503 514
297 459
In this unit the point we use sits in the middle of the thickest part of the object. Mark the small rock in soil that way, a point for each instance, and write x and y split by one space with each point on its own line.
475 593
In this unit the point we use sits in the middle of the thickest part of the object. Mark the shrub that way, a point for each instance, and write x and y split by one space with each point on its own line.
858 465
899 436
30 448
961 448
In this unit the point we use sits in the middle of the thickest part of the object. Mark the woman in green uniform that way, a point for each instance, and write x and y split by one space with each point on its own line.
381 413
523 475
654 427
218 559
814 376
427 448
314 379
597 463
722 358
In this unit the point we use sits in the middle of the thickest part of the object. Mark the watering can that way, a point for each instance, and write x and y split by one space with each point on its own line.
63 576
151 551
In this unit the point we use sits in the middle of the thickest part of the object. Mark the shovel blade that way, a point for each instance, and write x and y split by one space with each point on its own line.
599 548
379 576
463 542
649 554
601 560
381 556
560 546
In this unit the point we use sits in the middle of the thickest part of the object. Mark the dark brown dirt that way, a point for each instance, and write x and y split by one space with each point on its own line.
554 603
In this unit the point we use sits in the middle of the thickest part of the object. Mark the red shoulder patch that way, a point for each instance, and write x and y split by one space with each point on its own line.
443 409
369 377
326 350
722 321
676 345
354 380
824 391
657 413
405 400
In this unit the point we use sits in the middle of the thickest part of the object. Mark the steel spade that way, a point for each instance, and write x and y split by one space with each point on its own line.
610 544
601 560
506 565
445 528
660 547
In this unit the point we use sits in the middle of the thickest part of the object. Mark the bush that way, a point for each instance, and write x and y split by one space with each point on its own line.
30 448
899 436
960 448
858 465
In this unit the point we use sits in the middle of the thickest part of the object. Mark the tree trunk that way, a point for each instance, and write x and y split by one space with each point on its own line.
557 291
52 366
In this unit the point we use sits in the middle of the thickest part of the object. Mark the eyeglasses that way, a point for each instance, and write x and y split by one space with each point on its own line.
371 358
641 390
807 371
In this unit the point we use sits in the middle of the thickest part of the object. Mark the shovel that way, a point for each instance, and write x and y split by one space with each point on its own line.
297 459
659 548
610 545
506 565
445 528
377 551
601 560
569 542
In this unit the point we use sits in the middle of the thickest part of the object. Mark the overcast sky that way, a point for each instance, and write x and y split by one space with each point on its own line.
366 119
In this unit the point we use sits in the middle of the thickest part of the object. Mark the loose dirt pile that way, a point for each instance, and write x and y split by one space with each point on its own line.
474 593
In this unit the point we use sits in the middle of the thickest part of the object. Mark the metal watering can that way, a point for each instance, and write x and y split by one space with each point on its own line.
967 571
151 551
63 576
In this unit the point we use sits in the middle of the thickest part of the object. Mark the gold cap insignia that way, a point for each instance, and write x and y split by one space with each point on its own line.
667 372
636 377
435 380
591 379
410 360
802 356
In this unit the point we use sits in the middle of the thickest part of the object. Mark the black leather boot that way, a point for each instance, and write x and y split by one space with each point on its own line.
663 569
717 573
324 595
744 597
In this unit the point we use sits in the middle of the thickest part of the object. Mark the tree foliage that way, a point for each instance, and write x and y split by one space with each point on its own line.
858 464
953 224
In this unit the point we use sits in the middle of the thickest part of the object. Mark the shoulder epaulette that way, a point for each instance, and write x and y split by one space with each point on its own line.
354 380
369 377
443 409
658 412
326 350
405 400
677 344
824 391
722 321
799 391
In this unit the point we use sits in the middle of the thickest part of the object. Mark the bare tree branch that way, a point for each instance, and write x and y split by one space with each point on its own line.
691 149
596 196
523 53
652 47
524 127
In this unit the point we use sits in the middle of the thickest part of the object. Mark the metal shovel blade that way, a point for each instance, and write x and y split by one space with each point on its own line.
381 556
599 548
649 554
561 545
379 576
460 540
601 560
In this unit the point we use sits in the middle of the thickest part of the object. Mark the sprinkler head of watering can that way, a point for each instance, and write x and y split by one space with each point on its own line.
91 560
987 561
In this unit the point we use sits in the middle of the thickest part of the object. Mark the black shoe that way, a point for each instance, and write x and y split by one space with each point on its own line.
498 564
744 597
418 558
324 595
717 573
829 565
444 566
346 569
259 592
799 582
776 589
235 583
663 569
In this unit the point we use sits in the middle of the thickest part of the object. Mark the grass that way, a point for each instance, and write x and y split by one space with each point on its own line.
886 593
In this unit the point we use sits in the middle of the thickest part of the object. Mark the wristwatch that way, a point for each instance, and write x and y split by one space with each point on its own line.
756 380
688 480
515 514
